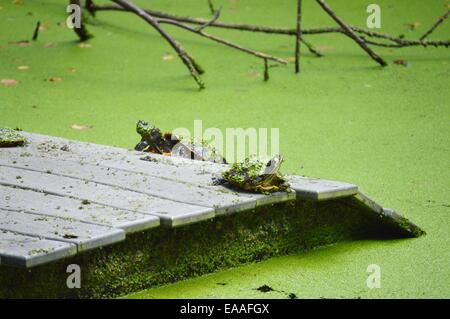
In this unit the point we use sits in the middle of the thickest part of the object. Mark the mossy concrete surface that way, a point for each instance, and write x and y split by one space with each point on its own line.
165 255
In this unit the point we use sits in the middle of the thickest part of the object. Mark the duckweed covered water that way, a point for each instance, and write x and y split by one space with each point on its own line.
344 118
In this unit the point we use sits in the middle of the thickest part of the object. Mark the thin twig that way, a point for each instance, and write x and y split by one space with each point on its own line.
214 19
82 31
219 24
201 21
351 33
90 7
397 42
234 26
266 29
36 31
435 25
211 6
185 58
298 36
410 43
222 41
266 70
312 49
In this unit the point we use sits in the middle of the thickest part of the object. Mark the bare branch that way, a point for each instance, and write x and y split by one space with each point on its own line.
298 36
348 30
36 31
232 26
266 70
201 21
311 49
363 37
214 19
211 6
265 29
90 7
82 31
435 25
410 43
223 41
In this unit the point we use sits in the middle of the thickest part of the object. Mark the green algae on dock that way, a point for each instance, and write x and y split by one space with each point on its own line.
11 138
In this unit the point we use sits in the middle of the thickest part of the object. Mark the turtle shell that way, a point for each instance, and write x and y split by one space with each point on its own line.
189 149
11 138
253 175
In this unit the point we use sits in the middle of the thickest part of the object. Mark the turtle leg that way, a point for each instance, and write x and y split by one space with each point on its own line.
142 145
265 189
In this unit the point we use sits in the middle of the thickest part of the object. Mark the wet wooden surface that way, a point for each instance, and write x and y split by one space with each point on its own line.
61 197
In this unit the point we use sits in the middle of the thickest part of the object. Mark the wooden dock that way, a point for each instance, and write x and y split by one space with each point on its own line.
59 198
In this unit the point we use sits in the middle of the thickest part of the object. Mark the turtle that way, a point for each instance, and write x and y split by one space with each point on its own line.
11 138
154 141
254 175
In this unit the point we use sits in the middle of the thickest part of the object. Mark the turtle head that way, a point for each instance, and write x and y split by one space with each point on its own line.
147 131
151 136
273 165
143 128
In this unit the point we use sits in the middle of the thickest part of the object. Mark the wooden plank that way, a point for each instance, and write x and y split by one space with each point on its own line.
178 169
52 145
85 236
26 251
320 189
193 182
364 199
184 170
171 213
45 204
134 181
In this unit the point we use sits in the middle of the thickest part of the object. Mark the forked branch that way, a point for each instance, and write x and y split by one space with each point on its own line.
363 37
280 30
349 31
435 25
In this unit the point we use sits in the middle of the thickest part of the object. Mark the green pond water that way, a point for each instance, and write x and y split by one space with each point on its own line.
344 118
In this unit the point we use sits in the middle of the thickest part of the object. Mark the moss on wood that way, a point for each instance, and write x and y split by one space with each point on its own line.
11 138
